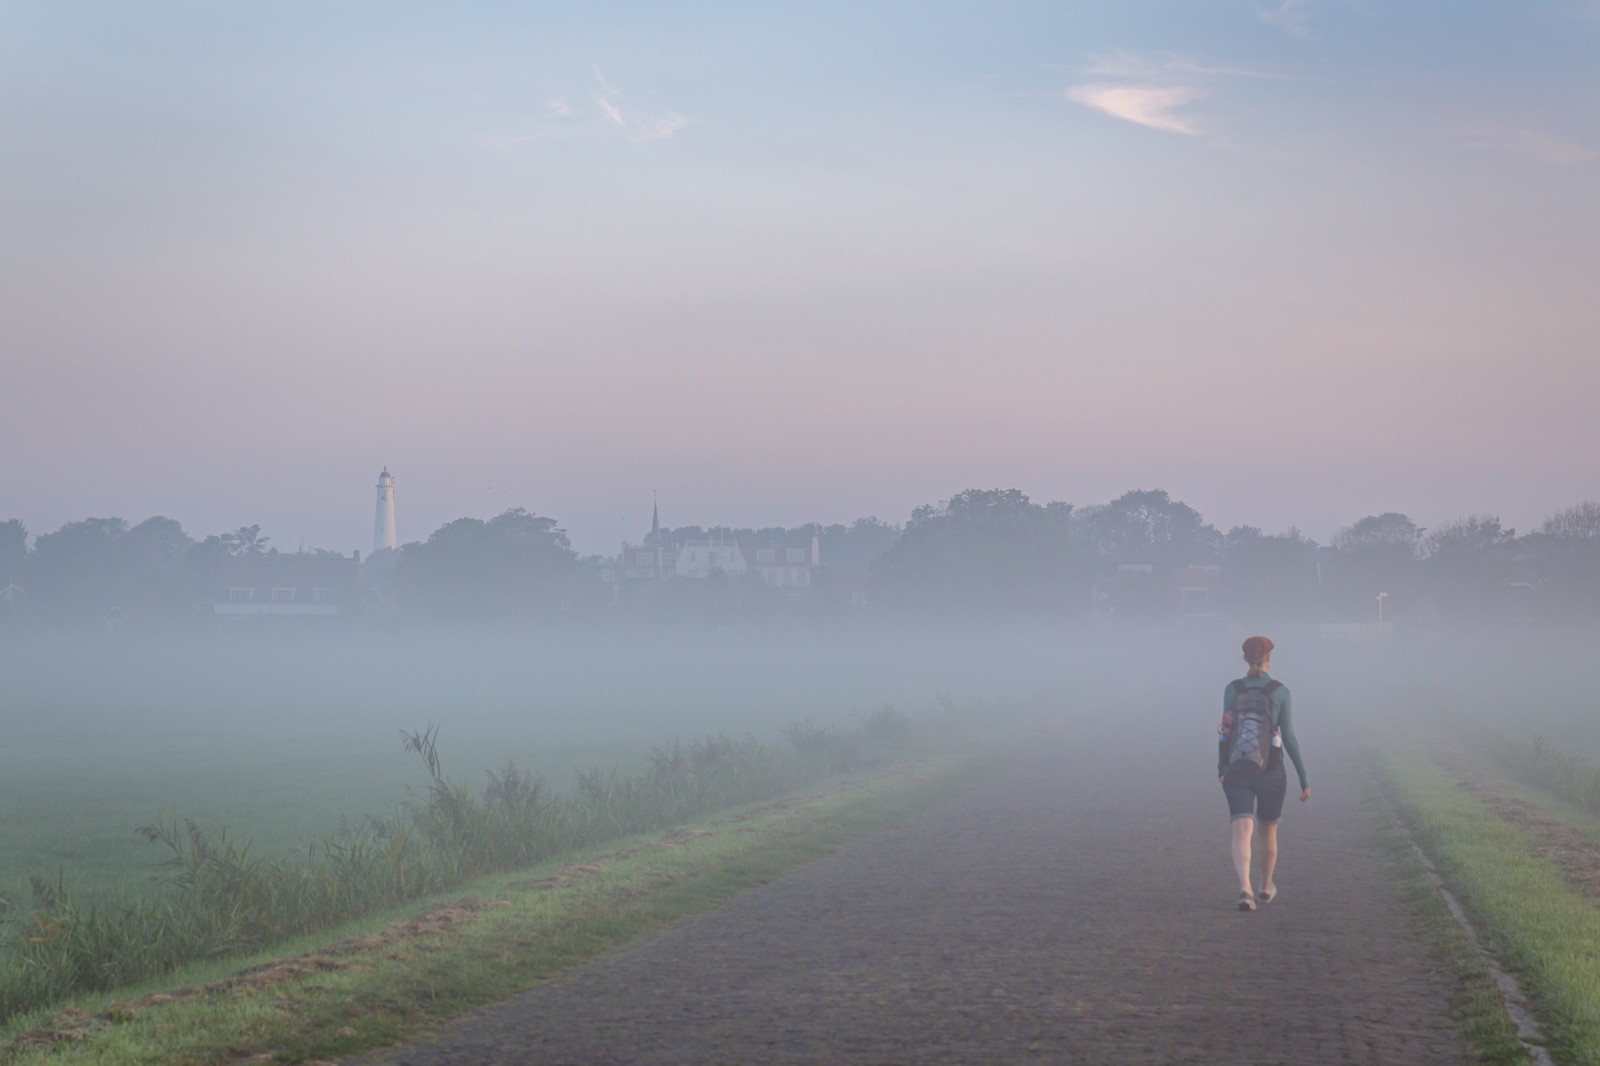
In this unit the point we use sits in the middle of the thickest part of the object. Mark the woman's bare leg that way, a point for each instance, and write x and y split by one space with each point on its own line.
1242 828
1269 854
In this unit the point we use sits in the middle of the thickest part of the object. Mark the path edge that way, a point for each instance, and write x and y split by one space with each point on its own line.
1519 1036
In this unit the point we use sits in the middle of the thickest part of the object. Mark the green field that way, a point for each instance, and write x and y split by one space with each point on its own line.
281 741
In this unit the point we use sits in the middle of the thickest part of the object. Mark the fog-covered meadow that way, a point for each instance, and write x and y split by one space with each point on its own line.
280 739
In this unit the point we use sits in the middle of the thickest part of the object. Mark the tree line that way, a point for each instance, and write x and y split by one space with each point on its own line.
86 568
1142 558
1147 557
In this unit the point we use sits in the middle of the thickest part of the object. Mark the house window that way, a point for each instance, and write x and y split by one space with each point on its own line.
766 555
642 559
241 595
321 595
283 595
797 555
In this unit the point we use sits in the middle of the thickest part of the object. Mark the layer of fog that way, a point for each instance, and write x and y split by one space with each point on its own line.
207 722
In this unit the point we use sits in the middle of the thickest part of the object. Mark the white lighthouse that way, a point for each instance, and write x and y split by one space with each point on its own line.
383 523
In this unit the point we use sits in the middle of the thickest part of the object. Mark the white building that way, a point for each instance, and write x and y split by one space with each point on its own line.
786 566
783 566
699 558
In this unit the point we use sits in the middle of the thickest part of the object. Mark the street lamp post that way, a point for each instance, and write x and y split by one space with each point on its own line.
1381 597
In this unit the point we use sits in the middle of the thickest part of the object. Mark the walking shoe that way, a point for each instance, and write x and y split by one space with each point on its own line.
1247 902
1266 894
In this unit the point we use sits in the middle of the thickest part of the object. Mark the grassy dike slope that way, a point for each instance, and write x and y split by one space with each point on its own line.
1532 918
382 980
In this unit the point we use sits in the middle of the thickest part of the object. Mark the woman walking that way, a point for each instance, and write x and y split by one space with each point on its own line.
1257 728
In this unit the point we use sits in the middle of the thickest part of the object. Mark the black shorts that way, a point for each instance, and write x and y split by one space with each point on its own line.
1255 793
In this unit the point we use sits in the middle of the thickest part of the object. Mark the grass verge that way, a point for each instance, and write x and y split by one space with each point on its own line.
508 933
1473 991
1530 917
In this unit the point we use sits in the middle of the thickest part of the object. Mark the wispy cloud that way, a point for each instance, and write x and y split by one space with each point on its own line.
1153 91
645 125
1529 143
610 110
1291 16
1146 105
605 86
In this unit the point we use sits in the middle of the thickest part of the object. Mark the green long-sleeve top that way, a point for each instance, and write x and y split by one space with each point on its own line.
1280 698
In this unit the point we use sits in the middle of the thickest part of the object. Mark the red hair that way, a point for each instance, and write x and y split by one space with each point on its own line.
1256 649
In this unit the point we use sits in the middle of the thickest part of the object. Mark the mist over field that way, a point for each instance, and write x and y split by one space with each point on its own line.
281 737
152 675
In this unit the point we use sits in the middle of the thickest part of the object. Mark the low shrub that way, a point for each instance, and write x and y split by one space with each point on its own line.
821 750
886 727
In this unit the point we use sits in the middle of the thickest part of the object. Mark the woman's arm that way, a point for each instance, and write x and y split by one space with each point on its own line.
1290 743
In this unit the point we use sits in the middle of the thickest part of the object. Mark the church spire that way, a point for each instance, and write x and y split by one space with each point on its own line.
654 539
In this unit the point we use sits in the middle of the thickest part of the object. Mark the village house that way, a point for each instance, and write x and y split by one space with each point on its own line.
785 566
702 558
788 567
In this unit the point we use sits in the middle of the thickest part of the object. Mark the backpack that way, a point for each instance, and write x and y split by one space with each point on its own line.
1255 720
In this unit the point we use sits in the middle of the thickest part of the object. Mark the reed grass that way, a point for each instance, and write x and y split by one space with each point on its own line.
1535 762
215 897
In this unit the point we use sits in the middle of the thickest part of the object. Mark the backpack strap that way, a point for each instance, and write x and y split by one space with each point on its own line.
1236 687
1274 755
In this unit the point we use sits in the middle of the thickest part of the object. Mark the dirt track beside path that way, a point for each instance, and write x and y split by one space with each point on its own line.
1078 908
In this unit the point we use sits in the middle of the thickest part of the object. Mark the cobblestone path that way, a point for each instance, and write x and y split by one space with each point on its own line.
1078 908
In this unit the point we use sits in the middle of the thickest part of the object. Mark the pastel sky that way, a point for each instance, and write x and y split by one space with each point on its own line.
1293 261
